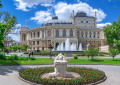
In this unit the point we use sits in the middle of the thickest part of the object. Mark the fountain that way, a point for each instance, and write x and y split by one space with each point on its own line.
68 46
80 47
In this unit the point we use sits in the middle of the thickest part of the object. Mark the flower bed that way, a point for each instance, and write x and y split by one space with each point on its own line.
88 76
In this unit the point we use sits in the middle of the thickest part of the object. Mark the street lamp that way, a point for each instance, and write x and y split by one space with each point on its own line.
50 47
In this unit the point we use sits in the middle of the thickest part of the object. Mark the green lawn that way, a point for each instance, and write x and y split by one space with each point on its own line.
95 61
28 62
49 61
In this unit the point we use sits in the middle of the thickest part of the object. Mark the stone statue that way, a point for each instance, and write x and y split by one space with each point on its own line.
60 65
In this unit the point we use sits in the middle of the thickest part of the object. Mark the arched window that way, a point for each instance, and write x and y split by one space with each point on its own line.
49 33
71 33
23 37
57 33
64 33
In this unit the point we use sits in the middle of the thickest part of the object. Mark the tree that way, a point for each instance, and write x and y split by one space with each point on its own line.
2 29
26 47
10 22
114 52
93 52
14 47
0 4
112 34
87 53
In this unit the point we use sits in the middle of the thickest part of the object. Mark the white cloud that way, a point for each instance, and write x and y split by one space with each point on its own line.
18 25
15 37
26 4
42 16
46 5
14 34
103 24
64 10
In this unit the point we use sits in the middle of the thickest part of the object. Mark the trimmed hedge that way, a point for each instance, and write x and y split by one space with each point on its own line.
2 56
42 53
88 76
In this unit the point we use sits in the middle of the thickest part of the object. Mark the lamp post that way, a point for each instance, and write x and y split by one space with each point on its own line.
50 47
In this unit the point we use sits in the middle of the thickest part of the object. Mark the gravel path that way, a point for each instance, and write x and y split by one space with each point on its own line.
9 74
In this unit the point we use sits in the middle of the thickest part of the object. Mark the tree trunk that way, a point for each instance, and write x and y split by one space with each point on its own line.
113 58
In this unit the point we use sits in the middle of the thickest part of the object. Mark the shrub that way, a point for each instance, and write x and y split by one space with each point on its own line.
75 56
26 52
2 56
92 52
114 52
13 57
87 53
32 58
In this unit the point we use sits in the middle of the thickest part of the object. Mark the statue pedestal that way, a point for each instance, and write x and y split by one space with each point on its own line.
60 65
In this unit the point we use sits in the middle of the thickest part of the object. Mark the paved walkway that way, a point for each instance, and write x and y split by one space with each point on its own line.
9 74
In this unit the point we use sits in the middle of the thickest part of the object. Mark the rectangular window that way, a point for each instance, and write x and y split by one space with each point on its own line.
33 42
43 34
57 33
37 42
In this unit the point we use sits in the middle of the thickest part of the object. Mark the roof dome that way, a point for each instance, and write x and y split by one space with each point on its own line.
81 14
54 17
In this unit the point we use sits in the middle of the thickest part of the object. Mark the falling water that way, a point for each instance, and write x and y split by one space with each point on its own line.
80 47
68 46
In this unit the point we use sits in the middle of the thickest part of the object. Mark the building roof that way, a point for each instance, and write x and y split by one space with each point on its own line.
82 14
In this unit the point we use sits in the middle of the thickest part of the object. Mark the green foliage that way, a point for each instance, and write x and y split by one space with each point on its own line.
2 56
114 52
2 30
23 58
112 33
0 4
14 47
32 58
13 57
42 53
75 56
92 52
87 53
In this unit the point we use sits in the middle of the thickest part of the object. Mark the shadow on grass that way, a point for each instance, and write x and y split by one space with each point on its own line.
116 60
8 66
96 60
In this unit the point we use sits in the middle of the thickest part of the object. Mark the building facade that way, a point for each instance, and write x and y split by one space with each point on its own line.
80 28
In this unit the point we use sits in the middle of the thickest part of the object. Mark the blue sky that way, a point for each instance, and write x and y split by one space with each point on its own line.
36 12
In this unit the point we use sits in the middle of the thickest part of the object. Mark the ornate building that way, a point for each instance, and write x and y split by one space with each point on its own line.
79 29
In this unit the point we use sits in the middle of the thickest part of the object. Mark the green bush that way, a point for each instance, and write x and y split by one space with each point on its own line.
43 53
2 56
32 58
75 56
13 57
103 54
113 52
26 52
